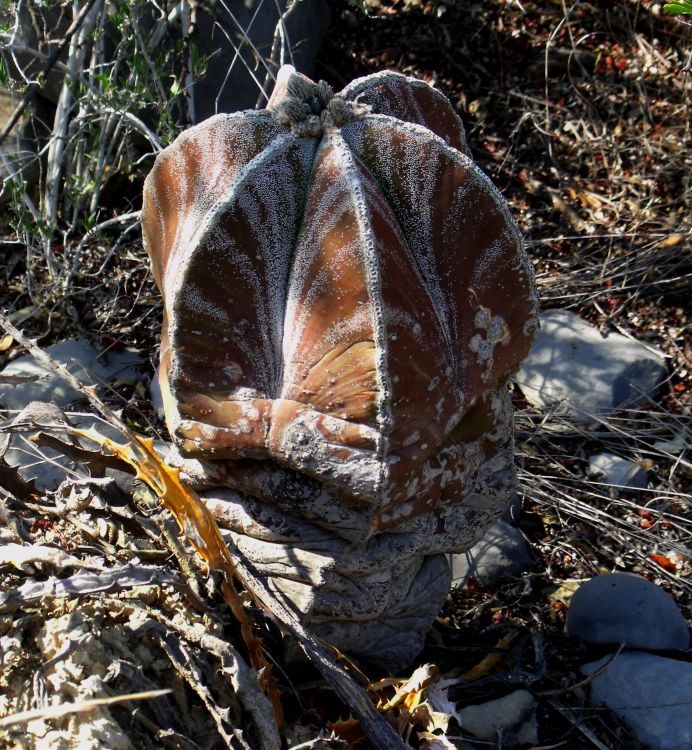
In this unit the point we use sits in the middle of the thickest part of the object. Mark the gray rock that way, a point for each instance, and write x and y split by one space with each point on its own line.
576 371
626 608
605 467
512 718
652 695
503 552
25 379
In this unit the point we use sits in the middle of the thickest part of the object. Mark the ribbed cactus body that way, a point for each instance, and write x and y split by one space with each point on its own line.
345 297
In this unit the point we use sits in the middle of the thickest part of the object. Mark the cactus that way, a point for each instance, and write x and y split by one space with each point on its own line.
346 295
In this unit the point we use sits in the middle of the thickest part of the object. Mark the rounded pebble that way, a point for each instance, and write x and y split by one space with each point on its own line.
626 608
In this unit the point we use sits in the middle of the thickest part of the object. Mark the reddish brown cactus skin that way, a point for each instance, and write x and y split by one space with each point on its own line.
345 297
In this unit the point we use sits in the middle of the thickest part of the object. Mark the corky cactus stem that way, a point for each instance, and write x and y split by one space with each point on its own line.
345 296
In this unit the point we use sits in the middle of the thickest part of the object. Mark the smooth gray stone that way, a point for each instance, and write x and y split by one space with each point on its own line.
626 608
502 552
25 379
651 694
579 373
512 717
605 467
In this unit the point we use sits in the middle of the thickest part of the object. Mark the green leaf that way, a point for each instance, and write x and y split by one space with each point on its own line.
684 8
176 88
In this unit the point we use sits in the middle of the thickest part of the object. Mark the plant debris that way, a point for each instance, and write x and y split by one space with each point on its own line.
111 632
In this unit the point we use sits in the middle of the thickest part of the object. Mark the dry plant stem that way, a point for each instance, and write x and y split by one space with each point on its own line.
65 709
200 528
186 666
76 258
238 55
243 680
376 727
13 176
50 62
77 162
150 63
247 40
579 724
89 392
281 45
105 145
186 12
56 149
584 682
162 26
178 551
261 97
137 124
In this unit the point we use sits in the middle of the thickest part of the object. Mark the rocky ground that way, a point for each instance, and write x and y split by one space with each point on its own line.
567 626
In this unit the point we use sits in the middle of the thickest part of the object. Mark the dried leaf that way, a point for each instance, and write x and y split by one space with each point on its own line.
400 708
432 721
431 741
410 692
664 562
436 696
19 379
670 241
490 661
6 342
82 583
563 593
21 556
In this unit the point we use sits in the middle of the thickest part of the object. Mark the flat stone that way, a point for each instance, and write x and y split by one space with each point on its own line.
25 379
512 718
619 472
626 608
651 694
579 373
503 552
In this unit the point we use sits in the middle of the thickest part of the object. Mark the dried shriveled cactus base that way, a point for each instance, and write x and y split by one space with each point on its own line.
372 596
345 297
